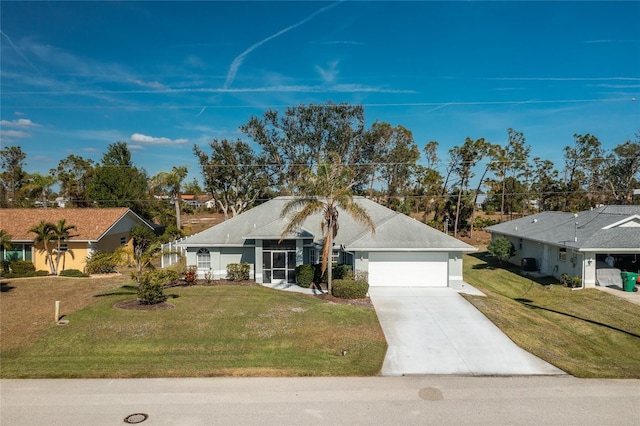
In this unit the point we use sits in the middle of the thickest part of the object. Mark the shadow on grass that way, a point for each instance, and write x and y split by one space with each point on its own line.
125 290
5 287
532 306
490 262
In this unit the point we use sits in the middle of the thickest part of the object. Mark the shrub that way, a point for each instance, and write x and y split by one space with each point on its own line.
22 267
304 275
151 288
342 272
74 273
482 222
569 281
190 274
501 248
349 289
102 263
238 271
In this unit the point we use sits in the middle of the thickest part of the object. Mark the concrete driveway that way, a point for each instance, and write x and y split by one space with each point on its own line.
436 331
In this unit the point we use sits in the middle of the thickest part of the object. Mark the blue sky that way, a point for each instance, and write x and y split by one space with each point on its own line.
164 76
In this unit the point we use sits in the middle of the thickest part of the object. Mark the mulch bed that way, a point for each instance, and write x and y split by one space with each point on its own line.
134 305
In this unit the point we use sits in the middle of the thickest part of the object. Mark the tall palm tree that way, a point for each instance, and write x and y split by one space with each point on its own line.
61 232
326 192
40 185
172 181
44 234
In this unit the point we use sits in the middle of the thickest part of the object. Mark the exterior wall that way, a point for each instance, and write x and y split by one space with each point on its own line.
258 266
110 242
236 255
550 260
361 261
74 258
220 257
455 278
589 276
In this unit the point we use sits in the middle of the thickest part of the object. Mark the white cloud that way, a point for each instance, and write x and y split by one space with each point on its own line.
10 135
22 122
328 74
140 138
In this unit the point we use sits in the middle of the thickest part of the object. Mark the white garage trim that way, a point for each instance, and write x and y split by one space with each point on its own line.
408 269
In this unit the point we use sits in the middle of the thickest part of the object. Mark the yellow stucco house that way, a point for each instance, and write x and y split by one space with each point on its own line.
95 230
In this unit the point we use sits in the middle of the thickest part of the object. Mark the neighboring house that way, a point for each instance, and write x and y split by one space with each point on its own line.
577 244
402 252
96 230
195 200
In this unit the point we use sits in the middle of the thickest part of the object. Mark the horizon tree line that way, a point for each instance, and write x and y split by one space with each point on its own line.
384 161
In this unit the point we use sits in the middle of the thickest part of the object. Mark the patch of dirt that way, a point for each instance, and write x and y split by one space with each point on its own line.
134 305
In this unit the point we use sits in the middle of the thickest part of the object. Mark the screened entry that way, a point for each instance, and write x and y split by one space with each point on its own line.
279 262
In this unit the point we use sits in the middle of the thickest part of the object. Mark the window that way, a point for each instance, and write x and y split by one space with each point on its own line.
123 241
203 259
562 254
64 247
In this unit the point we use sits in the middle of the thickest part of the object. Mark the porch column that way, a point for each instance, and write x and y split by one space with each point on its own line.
257 267
299 252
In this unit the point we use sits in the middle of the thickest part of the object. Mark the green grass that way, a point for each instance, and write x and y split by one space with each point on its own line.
586 333
213 331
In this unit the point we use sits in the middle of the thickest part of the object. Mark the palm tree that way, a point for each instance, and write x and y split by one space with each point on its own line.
40 185
61 233
327 192
5 243
44 234
173 181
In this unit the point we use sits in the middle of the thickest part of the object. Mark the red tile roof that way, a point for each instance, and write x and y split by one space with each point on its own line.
90 223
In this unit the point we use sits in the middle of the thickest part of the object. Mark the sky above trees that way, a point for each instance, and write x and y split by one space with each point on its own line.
165 76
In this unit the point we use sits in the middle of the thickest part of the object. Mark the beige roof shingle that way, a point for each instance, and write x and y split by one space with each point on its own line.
90 223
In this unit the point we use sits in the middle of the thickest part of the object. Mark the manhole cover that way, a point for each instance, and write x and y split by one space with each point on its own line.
136 418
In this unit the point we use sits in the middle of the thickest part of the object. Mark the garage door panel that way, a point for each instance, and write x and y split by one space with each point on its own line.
408 269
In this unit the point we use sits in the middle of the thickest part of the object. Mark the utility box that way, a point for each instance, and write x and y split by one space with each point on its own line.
529 264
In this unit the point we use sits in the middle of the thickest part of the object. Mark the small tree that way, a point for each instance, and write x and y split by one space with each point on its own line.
502 249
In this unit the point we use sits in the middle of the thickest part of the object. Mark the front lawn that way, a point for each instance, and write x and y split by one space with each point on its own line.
212 331
586 333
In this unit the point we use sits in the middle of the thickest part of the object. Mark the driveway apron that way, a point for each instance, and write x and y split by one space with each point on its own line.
436 331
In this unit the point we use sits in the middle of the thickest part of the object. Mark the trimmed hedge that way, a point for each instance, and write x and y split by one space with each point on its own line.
338 272
304 275
74 273
238 271
349 289
22 267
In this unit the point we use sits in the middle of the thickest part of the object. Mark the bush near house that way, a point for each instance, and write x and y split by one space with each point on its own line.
21 269
502 249
74 273
304 275
238 271
350 289
103 263
338 272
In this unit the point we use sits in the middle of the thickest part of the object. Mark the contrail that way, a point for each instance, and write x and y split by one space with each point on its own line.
233 69
18 50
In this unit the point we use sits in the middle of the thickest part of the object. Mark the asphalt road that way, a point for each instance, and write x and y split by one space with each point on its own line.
455 400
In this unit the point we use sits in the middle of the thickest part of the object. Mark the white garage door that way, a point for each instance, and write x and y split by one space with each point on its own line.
408 269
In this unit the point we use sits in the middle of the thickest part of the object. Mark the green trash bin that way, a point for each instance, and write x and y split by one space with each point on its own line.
629 280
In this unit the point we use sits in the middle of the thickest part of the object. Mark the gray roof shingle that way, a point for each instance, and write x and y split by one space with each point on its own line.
589 228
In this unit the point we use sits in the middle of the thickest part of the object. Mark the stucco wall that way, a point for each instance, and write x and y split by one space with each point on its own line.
74 258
